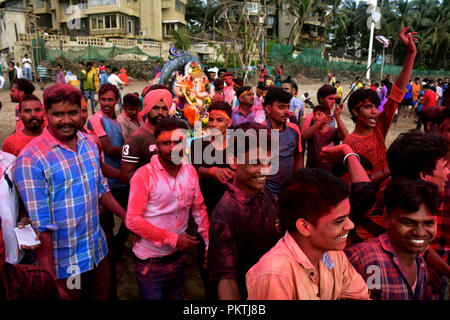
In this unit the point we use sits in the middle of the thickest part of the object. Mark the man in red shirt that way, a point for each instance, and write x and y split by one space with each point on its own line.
429 98
368 138
19 89
32 116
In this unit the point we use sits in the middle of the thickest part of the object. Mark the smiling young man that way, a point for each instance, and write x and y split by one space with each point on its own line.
32 117
61 184
308 262
371 126
163 194
392 263
289 151
244 224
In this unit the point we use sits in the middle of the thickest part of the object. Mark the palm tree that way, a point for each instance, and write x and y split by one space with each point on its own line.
182 39
300 9
437 34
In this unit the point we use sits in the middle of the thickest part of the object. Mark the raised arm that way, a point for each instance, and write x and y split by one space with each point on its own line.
355 169
408 41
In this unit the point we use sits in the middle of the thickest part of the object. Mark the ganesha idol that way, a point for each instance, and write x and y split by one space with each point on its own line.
190 89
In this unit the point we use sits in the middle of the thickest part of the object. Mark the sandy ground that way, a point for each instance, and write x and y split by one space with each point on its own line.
127 285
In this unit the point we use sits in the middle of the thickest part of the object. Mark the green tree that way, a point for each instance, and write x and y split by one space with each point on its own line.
301 10
182 39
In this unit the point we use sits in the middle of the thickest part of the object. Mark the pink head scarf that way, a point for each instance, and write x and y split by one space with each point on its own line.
153 97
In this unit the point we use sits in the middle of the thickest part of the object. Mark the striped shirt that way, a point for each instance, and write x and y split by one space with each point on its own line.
60 189
42 71
103 126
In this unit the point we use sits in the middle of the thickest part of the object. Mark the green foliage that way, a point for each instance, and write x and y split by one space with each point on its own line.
197 10
429 18
181 38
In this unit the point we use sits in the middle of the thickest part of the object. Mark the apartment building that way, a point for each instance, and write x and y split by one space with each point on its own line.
133 19
12 23
313 32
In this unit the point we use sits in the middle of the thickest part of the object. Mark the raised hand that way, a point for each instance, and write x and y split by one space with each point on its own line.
408 40
337 111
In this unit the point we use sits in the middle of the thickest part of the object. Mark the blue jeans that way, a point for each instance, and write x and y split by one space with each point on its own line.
27 72
158 281
90 94
120 99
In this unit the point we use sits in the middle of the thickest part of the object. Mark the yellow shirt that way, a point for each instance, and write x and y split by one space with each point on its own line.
285 273
339 91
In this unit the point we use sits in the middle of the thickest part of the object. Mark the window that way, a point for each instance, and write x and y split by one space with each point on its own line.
180 6
168 27
103 2
130 26
104 22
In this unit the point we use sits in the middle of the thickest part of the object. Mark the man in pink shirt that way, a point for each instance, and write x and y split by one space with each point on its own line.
308 262
60 74
228 92
162 193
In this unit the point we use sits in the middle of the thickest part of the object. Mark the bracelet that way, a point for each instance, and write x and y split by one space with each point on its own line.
351 154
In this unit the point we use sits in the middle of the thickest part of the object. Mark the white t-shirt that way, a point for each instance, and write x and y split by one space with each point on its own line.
9 208
439 91
19 72
26 63
115 80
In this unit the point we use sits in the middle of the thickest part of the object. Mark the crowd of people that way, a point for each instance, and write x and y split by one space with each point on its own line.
279 204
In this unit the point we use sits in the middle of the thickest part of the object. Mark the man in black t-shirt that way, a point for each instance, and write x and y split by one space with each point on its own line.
209 157
140 146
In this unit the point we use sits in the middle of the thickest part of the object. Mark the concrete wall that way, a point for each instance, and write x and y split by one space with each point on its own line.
9 23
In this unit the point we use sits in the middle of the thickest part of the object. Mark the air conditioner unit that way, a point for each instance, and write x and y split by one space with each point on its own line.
142 32
313 33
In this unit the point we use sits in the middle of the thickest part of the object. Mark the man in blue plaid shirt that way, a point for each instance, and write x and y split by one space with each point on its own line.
60 181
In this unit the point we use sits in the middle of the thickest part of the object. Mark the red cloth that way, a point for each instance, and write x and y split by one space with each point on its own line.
16 142
442 240
373 146
153 97
429 99
124 76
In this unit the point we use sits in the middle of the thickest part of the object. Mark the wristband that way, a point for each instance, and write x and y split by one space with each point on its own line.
351 154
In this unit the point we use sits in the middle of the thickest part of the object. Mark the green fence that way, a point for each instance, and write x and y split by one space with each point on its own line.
92 53
313 58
